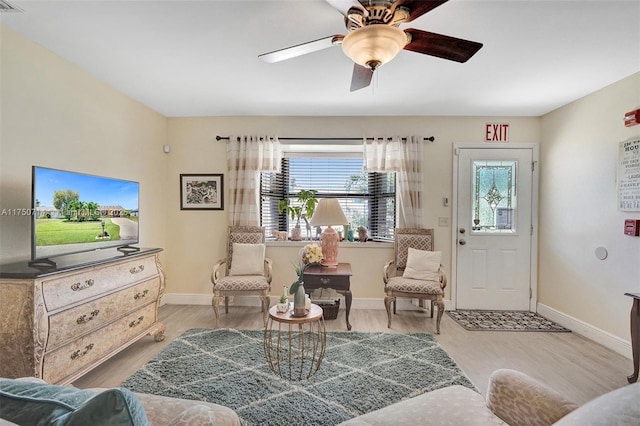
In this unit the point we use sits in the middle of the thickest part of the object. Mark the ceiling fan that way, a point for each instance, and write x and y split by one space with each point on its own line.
374 38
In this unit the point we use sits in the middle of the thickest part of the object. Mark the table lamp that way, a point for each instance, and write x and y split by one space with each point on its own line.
328 212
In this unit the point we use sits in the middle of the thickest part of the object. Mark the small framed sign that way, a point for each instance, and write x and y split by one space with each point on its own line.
201 192
629 175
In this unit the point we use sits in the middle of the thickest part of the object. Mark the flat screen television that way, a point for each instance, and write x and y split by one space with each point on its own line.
77 212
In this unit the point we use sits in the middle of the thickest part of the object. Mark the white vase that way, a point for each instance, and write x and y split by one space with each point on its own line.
296 233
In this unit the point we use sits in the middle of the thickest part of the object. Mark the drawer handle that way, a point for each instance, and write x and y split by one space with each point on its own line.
136 269
325 281
136 322
83 319
78 354
140 295
81 286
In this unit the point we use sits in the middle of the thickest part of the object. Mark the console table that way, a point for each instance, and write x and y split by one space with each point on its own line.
337 278
635 335
60 322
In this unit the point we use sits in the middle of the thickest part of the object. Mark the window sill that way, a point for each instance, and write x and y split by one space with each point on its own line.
343 244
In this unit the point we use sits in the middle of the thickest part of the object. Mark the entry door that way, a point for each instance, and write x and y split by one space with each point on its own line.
494 228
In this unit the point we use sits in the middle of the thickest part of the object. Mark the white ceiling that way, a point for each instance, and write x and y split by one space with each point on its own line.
200 58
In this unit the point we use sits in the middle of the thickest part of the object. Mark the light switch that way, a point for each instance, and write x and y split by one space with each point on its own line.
445 201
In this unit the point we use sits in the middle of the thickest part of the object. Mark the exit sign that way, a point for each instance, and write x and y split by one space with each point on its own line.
496 132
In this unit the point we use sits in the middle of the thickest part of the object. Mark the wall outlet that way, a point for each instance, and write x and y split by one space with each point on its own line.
443 221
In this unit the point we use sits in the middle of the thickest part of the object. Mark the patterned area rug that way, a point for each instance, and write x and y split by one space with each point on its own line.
361 372
504 321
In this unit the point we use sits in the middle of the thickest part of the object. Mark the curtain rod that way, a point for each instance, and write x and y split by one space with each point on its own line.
430 139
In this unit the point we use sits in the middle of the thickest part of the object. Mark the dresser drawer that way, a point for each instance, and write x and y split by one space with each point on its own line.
74 322
336 282
72 288
89 349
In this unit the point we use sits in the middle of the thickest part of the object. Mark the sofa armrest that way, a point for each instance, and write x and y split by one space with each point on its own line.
521 400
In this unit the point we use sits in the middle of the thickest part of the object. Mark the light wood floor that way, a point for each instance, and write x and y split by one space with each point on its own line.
573 365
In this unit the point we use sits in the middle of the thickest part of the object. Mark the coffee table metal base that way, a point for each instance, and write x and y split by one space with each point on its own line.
294 346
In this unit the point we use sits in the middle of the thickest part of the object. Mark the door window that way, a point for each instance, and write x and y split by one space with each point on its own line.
494 197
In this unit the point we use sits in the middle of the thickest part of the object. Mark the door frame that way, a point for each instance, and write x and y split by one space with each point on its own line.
533 280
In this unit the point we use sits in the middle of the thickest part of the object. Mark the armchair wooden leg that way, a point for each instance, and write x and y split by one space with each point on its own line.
387 304
215 301
433 304
440 304
226 304
265 308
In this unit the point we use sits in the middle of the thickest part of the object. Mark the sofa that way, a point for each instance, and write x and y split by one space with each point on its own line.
31 401
514 399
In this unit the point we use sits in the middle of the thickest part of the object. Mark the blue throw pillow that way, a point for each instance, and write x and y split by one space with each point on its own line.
25 402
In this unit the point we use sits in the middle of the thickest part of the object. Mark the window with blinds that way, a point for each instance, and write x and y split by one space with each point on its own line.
367 199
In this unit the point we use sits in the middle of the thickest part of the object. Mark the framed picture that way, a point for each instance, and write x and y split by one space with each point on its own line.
201 192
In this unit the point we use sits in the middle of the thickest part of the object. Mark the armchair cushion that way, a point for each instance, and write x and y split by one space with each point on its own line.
423 265
242 283
248 259
409 285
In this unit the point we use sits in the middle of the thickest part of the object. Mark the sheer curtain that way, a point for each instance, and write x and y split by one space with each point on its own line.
247 156
404 157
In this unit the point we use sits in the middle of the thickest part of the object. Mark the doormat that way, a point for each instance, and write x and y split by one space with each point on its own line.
476 320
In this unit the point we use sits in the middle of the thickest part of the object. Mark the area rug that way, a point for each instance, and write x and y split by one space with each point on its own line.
504 321
360 373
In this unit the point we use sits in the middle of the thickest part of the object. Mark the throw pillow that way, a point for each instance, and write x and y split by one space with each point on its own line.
248 259
25 402
422 265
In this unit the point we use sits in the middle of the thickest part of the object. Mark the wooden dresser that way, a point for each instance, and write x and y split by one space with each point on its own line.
58 324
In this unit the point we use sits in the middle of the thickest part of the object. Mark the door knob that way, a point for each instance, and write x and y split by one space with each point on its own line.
462 230
462 242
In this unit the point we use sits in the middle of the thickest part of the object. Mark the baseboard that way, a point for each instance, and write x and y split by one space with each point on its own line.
357 303
606 339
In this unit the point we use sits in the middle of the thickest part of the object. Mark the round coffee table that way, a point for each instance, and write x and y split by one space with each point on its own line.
294 346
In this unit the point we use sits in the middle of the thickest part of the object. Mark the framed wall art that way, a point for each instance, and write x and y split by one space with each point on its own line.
201 192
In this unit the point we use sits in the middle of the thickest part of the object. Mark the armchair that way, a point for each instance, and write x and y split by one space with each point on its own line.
410 276
249 275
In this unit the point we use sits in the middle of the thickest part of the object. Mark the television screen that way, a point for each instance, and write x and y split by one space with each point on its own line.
75 212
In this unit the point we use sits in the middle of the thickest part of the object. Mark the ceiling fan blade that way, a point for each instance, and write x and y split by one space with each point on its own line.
361 77
344 5
301 49
442 46
417 8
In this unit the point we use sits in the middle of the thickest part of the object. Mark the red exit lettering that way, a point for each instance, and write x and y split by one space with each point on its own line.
496 132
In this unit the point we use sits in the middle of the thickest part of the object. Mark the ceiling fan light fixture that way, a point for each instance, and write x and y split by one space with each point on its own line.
374 44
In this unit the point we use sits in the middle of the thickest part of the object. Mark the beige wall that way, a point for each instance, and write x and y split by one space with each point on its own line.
578 210
53 114
196 238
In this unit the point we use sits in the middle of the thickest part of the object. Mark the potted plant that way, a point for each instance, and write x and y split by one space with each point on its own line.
308 201
283 306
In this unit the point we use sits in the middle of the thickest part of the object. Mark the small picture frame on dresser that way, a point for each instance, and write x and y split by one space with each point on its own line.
201 192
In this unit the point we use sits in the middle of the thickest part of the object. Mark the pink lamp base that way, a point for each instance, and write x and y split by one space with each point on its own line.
329 244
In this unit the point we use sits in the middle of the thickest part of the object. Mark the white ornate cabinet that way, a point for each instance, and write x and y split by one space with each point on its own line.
59 324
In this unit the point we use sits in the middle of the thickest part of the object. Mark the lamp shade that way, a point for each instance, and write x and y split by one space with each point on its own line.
374 44
328 212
